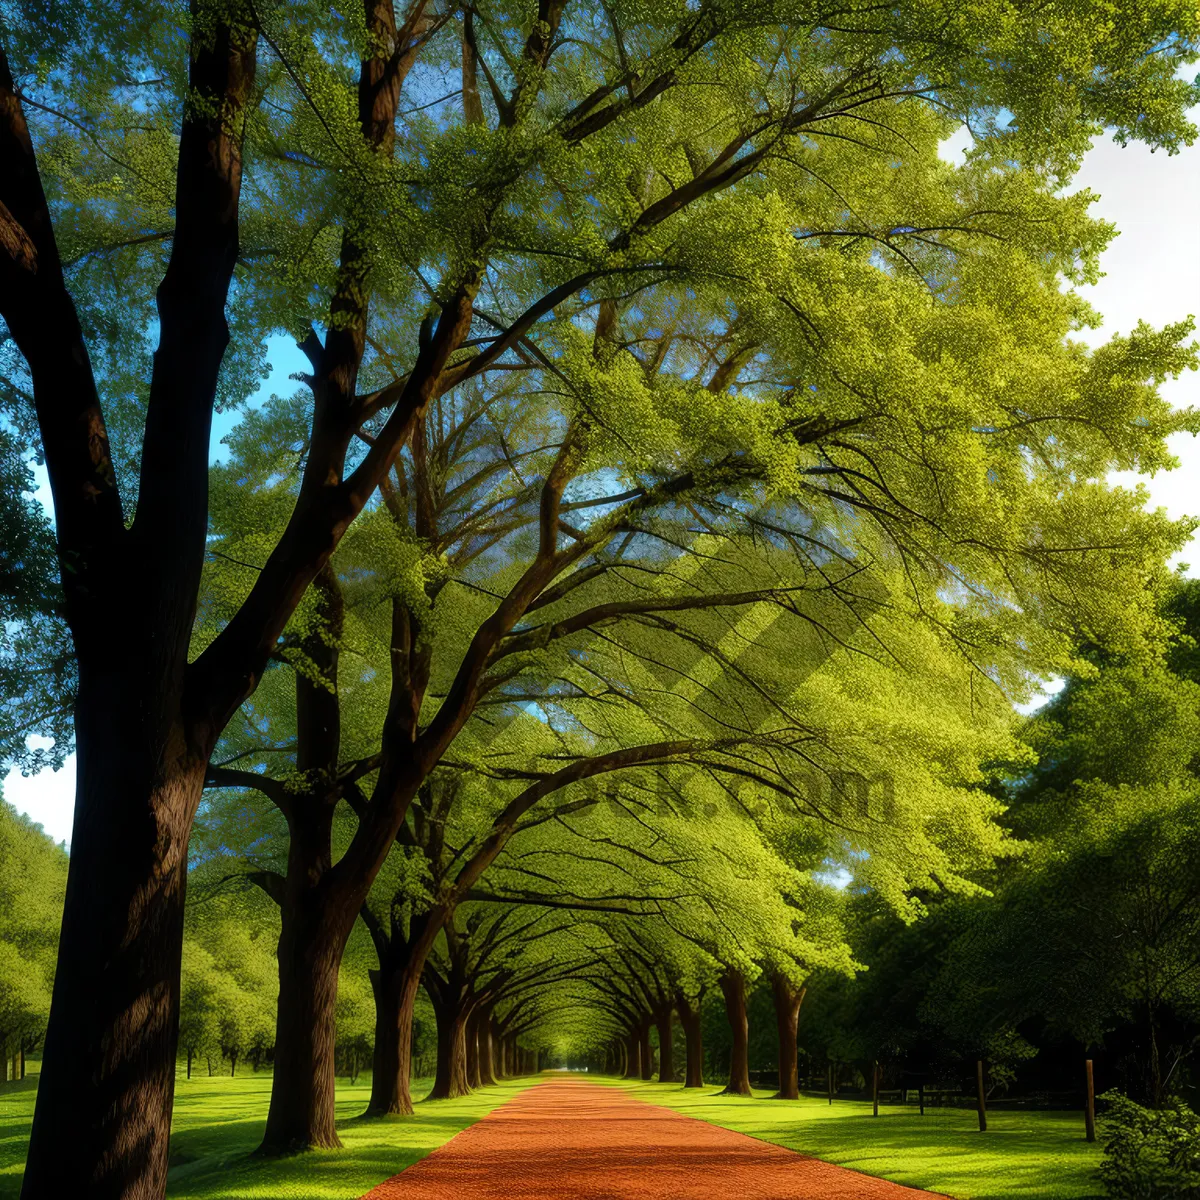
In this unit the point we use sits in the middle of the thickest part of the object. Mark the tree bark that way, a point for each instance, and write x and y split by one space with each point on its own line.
666 1048
108 1068
311 943
450 1080
395 991
788 998
395 985
689 1018
733 987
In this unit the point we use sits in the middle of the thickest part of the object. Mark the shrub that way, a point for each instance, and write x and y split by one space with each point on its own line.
1150 1154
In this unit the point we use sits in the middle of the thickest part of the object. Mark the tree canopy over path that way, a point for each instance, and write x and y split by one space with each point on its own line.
674 416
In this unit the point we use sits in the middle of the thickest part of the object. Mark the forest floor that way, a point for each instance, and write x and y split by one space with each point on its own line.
568 1139
219 1121
1025 1155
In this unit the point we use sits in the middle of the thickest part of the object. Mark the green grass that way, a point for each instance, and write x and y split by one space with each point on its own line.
219 1121
1023 1155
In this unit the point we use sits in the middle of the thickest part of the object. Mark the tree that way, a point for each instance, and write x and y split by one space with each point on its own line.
33 872
229 980
37 668
199 1004
462 198
1095 932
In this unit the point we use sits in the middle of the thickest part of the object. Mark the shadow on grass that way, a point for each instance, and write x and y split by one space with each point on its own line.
219 1122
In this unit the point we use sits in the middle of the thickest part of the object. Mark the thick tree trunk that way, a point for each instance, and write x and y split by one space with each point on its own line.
395 985
666 1049
733 987
646 1052
103 1110
633 1055
689 1018
450 1080
788 999
391 1062
311 943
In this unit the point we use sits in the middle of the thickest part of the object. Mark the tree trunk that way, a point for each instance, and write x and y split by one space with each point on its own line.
633 1055
487 1068
689 1018
788 999
646 1051
395 985
450 1080
302 1088
666 1048
107 1082
233 1066
395 993
472 1035
499 1067
190 1055
733 987
312 939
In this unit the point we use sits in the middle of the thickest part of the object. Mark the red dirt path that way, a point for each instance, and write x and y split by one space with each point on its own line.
570 1140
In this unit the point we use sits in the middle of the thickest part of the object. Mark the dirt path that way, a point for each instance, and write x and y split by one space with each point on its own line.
571 1140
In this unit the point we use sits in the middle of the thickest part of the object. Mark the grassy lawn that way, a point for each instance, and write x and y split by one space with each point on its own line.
1023 1155
219 1121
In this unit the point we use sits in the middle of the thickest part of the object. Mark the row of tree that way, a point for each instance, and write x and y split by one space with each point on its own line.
688 470
1078 939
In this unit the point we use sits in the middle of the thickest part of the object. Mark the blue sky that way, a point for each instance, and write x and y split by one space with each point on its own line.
1152 273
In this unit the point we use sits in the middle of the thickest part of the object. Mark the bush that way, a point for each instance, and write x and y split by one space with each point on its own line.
1150 1154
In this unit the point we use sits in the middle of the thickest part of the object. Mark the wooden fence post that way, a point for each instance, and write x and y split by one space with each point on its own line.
982 1098
875 1088
1089 1113
921 1097
831 1083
